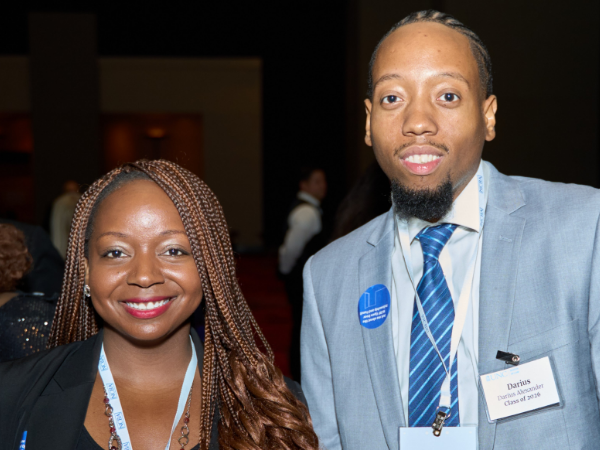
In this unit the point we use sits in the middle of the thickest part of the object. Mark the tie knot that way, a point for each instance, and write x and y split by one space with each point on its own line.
433 239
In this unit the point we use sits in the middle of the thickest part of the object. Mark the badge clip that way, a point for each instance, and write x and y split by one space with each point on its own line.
508 358
438 423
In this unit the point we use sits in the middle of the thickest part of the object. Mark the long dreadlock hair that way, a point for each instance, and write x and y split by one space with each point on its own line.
480 51
257 409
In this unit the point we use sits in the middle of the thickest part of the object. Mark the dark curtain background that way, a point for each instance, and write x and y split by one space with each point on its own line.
545 56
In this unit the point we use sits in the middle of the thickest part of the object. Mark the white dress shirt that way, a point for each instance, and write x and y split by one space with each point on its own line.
304 222
454 260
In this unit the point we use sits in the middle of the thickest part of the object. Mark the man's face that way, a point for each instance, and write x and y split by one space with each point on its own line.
428 119
316 185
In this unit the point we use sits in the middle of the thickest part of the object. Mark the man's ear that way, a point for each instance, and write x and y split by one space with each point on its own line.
368 106
490 106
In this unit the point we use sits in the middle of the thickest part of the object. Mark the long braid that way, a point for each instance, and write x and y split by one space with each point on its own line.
480 51
257 409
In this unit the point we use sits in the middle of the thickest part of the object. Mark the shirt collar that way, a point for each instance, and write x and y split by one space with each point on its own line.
302 195
464 212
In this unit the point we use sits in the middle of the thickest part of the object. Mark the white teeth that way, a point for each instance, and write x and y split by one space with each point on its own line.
422 159
147 306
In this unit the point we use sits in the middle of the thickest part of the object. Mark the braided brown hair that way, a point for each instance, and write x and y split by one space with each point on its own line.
257 409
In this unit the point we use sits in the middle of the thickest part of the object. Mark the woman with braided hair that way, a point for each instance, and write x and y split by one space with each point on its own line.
149 243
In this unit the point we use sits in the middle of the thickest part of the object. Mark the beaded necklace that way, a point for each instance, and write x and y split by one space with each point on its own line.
114 442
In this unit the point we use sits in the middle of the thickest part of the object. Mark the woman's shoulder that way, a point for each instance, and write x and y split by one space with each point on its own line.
20 369
23 375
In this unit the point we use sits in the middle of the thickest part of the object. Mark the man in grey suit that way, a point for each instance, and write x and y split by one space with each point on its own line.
499 263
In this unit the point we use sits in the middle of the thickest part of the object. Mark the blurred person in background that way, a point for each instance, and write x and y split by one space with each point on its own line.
61 216
46 273
25 319
303 238
368 198
149 244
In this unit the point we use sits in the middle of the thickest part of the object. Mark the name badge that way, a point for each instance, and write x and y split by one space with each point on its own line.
452 438
520 389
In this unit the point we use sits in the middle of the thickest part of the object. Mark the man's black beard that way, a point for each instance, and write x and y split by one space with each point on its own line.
425 204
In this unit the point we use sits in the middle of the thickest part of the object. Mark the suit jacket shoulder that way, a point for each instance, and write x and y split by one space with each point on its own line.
560 218
545 199
355 243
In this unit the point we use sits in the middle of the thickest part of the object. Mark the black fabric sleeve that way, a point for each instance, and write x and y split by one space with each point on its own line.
296 390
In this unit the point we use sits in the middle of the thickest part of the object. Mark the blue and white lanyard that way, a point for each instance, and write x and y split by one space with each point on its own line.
115 402
465 294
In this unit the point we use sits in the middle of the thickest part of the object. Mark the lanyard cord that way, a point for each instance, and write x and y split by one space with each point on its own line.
115 402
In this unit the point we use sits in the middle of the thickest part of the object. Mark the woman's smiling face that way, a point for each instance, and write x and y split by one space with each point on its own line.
142 276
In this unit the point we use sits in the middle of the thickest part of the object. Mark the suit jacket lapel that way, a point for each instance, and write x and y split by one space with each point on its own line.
499 264
375 267
58 415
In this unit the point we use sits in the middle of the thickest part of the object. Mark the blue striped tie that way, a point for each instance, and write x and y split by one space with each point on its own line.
426 370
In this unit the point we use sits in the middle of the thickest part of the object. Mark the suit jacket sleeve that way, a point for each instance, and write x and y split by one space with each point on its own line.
594 310
317 381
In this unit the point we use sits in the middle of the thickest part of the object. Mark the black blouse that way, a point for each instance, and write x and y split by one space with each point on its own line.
25 322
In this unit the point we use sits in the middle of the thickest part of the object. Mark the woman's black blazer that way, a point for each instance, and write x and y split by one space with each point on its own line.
47 395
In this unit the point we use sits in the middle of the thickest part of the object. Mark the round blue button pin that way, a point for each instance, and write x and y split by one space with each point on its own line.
374 306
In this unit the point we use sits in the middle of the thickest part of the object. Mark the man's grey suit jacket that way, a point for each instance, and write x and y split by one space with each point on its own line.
539 295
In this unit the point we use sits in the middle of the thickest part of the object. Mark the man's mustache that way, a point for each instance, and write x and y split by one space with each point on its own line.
431 143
